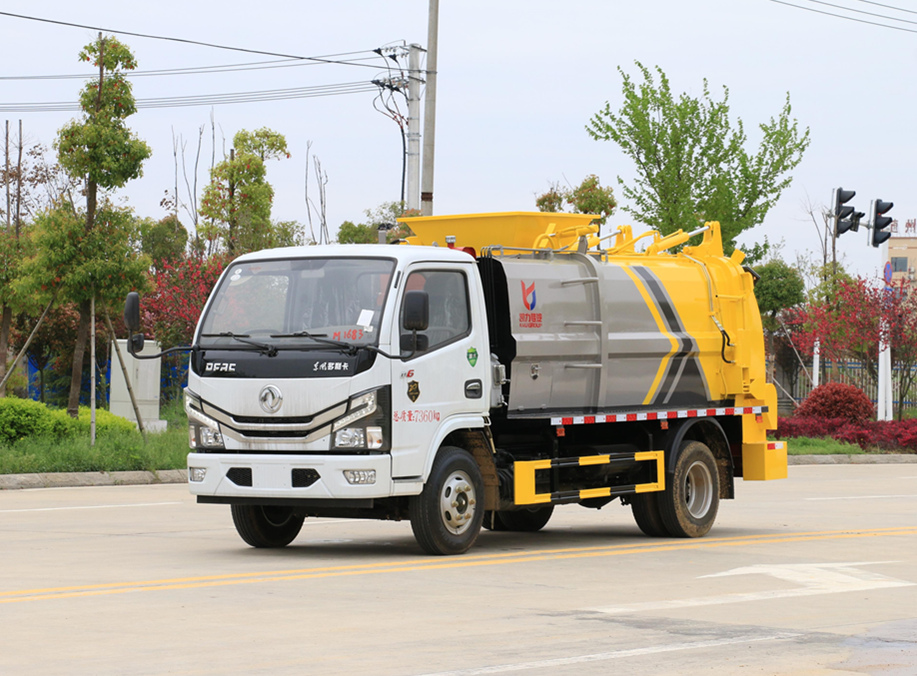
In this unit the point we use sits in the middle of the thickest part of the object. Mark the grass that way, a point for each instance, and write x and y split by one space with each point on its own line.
811 446
117 450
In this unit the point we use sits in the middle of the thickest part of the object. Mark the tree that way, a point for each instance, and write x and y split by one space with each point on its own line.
691 161
103 151
589 197
385 215
853 324
180 290
778 289
238 198
79 265
164 240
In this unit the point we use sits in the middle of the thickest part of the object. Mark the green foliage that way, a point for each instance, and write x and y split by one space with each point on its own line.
780 287
352 233
810 446
99 146
23 417
691 161
78 261
12 252
589 197
265 143
163 241
237 201
386 214
20 418
115 450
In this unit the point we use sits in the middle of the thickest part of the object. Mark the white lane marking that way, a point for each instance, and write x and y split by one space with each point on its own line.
864 497
614 655
815 578
64 509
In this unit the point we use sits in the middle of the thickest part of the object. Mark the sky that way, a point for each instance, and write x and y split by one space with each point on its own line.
518 80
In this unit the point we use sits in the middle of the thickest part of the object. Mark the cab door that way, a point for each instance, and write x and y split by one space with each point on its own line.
446 375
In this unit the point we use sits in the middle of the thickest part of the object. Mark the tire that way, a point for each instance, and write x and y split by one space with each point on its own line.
645 507
526 520
446 517
688 506
265 526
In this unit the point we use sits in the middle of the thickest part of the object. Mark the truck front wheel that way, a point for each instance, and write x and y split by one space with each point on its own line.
446 517
688 506
266 526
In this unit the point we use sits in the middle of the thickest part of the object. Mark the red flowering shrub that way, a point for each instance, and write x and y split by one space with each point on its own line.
837 400
892 435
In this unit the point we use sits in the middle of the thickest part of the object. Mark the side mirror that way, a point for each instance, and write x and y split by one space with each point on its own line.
132 312
416 312
135 343
412 343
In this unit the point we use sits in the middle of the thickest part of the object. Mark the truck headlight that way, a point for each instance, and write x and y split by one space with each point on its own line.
203 431
367 423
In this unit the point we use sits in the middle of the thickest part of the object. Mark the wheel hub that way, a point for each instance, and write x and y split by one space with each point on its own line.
457 503
698 490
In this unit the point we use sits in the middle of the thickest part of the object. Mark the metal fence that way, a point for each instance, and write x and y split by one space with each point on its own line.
798 384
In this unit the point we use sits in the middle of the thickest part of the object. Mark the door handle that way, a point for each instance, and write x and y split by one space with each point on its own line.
474 389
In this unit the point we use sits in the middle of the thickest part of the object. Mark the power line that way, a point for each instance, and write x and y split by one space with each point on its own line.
861 11
197 70
208 99
182 40
897 9
848 18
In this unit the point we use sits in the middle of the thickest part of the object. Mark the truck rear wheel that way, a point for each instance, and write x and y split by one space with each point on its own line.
527 520
446 517
266 526
688 506
645 507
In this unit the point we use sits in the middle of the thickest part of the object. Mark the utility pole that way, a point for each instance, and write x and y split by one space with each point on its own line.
429 111
414 81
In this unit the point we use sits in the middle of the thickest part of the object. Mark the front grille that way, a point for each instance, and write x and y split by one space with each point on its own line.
302 477
240 476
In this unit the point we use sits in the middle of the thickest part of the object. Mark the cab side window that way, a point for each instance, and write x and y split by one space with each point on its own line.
450 313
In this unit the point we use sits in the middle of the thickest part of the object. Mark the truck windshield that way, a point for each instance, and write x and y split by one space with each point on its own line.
314 302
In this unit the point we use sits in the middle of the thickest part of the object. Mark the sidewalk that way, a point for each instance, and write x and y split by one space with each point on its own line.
180 476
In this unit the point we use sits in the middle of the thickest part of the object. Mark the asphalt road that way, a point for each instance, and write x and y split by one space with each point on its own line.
813 575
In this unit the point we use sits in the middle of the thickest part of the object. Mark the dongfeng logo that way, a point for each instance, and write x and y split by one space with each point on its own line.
528 296
270 399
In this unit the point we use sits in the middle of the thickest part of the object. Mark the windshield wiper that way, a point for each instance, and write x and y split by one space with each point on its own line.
269 350
320 338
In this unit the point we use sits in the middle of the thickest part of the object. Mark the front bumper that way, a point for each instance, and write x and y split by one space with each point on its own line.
276 476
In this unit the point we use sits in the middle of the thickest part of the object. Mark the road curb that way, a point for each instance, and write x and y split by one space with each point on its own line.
180 476
75 479
859 459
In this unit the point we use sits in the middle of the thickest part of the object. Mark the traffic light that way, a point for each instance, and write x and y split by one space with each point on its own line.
880 221
841 212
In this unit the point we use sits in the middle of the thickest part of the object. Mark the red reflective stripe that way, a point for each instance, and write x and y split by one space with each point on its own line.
651 416
692 414
588 420
631 417
711 411
748 409
566 421
730 411
671 414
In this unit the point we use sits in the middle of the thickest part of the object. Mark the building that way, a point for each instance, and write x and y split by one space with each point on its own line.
902 250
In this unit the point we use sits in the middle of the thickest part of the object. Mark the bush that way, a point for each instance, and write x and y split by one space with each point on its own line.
893 435
837 400
21 418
